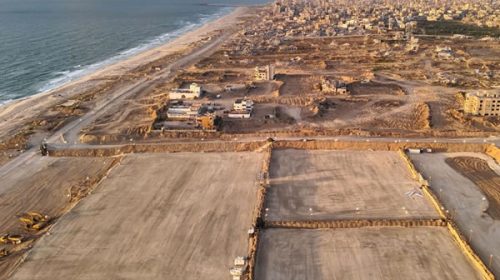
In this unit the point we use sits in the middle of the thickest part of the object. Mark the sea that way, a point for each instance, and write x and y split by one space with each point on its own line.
47 43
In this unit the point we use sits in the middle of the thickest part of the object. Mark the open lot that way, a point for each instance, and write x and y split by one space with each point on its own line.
464 200
375 253
479 172
324 185
156 216
43 185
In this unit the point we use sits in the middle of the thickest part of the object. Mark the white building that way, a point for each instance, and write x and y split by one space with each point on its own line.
239 115
243 105
242 109
193 92
183 112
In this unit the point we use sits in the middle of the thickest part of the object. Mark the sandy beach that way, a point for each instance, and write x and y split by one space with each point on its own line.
14 115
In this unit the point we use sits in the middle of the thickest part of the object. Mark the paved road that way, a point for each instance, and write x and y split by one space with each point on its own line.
70 133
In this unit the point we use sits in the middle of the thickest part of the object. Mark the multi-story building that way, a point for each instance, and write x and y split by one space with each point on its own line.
243 105
242 109
482 103
193 92
265 73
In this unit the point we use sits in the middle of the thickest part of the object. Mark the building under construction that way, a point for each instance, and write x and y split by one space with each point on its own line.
482 103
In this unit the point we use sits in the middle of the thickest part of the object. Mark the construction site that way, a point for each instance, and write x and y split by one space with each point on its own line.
375 253
253 210
255 148
325 185
166 223
467 184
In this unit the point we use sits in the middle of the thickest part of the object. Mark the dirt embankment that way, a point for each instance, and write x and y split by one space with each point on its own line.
13 146
379 146
289 100
218 147
146 133
417 117
294 132
479 172
356 223
226 146
494 152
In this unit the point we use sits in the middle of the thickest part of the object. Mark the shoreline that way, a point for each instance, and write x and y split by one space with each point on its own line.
17 112
122 56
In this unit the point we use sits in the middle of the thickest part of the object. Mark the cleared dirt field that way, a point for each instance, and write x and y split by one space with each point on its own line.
464 200
44 186
359 88
157 216
479 172
376 253
297 84
324 185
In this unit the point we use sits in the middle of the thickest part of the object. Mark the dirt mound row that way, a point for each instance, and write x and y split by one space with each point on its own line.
355 223
479 172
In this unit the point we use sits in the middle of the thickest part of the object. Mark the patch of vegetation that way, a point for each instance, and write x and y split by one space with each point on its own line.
451 27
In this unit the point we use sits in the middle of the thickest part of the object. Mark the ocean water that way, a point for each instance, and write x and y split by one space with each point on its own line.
46 43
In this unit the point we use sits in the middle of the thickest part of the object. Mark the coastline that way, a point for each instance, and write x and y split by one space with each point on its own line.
21 110
157 41
120 57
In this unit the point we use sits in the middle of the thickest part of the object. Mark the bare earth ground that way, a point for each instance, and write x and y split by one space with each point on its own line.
157 216
464 200
478 171
374 253
43 185
325 185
